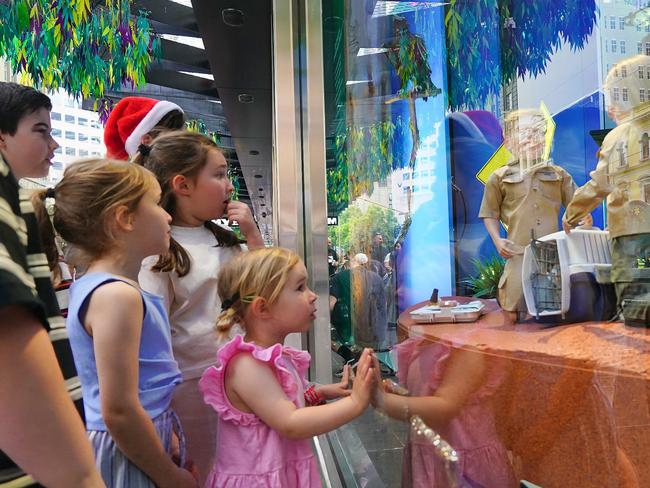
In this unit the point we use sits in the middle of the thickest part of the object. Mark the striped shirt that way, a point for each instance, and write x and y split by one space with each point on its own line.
25 280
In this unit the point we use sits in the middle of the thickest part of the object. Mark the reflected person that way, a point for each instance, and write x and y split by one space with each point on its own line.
623 177
452 390
358 304
526 195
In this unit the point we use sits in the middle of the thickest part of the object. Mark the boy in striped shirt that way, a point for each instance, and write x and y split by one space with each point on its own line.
39 427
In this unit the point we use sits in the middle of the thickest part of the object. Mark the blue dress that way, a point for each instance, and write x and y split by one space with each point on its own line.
158 374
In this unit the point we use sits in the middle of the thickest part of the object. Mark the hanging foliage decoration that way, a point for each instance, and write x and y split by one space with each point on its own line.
83 47
364 155
197 125
492 42
410 59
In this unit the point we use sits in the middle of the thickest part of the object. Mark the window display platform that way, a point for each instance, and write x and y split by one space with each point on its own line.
597 346
573 409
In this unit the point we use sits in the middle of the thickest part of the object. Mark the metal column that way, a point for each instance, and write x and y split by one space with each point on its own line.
300 194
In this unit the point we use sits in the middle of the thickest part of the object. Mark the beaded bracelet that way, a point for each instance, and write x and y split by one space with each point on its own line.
312 397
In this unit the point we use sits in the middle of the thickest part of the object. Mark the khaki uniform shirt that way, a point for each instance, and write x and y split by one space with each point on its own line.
524 203
623 177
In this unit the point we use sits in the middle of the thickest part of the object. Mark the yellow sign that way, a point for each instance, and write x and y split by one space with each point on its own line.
550 131
500 158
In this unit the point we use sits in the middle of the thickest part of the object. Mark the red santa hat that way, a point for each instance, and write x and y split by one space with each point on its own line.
130 119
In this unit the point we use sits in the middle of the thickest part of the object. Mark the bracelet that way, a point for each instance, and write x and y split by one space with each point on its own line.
312 397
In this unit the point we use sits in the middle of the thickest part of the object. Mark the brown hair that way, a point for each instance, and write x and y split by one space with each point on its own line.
90 191
259 273
180 153
48 238
172 121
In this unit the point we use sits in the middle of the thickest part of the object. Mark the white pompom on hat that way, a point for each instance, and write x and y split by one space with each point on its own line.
130 119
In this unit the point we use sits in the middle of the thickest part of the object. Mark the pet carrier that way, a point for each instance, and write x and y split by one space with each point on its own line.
559 276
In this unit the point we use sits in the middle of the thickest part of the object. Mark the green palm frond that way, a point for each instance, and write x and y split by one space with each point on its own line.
485 281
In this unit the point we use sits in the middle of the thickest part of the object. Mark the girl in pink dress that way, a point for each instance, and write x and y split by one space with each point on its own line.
451 389
267 415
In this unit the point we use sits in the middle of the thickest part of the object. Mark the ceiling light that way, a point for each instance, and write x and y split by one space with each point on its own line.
245 98
215 101
357 82
196 42
232 17
184 3
366 51
205 76
384 8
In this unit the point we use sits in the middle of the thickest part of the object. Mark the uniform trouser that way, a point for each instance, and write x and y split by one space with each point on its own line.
629 280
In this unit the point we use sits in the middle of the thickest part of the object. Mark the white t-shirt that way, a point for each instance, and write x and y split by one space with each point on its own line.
192 301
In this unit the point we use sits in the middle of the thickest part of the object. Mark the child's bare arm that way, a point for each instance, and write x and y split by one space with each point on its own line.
40 428
465 373
115 318
256 385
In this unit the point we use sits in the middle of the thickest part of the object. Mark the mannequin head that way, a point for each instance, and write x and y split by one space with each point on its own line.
524 136
627 86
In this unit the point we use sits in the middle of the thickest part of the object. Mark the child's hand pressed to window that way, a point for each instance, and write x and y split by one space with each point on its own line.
380 388
365 380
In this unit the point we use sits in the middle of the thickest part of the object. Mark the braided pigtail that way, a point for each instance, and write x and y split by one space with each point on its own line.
227 319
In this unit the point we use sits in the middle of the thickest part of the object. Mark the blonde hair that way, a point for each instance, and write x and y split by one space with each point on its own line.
180 153
259 273
85 199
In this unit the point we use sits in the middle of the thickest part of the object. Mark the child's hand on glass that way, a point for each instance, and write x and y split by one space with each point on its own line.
336 390
365 380
377 398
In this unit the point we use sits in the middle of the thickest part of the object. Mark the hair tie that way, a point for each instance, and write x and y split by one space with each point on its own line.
144 149
229 302
50 193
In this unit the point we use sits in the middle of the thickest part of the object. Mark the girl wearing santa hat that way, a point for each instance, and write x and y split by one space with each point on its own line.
139 120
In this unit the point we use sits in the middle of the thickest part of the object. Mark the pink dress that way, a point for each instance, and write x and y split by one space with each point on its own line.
249 452
472 433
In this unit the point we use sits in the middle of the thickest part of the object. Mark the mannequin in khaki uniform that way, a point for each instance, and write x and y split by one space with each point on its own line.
525 195
623 177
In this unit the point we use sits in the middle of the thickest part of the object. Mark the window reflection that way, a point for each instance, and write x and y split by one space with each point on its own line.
461 132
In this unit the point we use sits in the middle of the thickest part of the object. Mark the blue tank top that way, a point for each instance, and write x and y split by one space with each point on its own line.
157 370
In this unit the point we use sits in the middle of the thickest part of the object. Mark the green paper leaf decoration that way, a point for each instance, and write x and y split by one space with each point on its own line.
67 44
525 34
198 125
364 155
